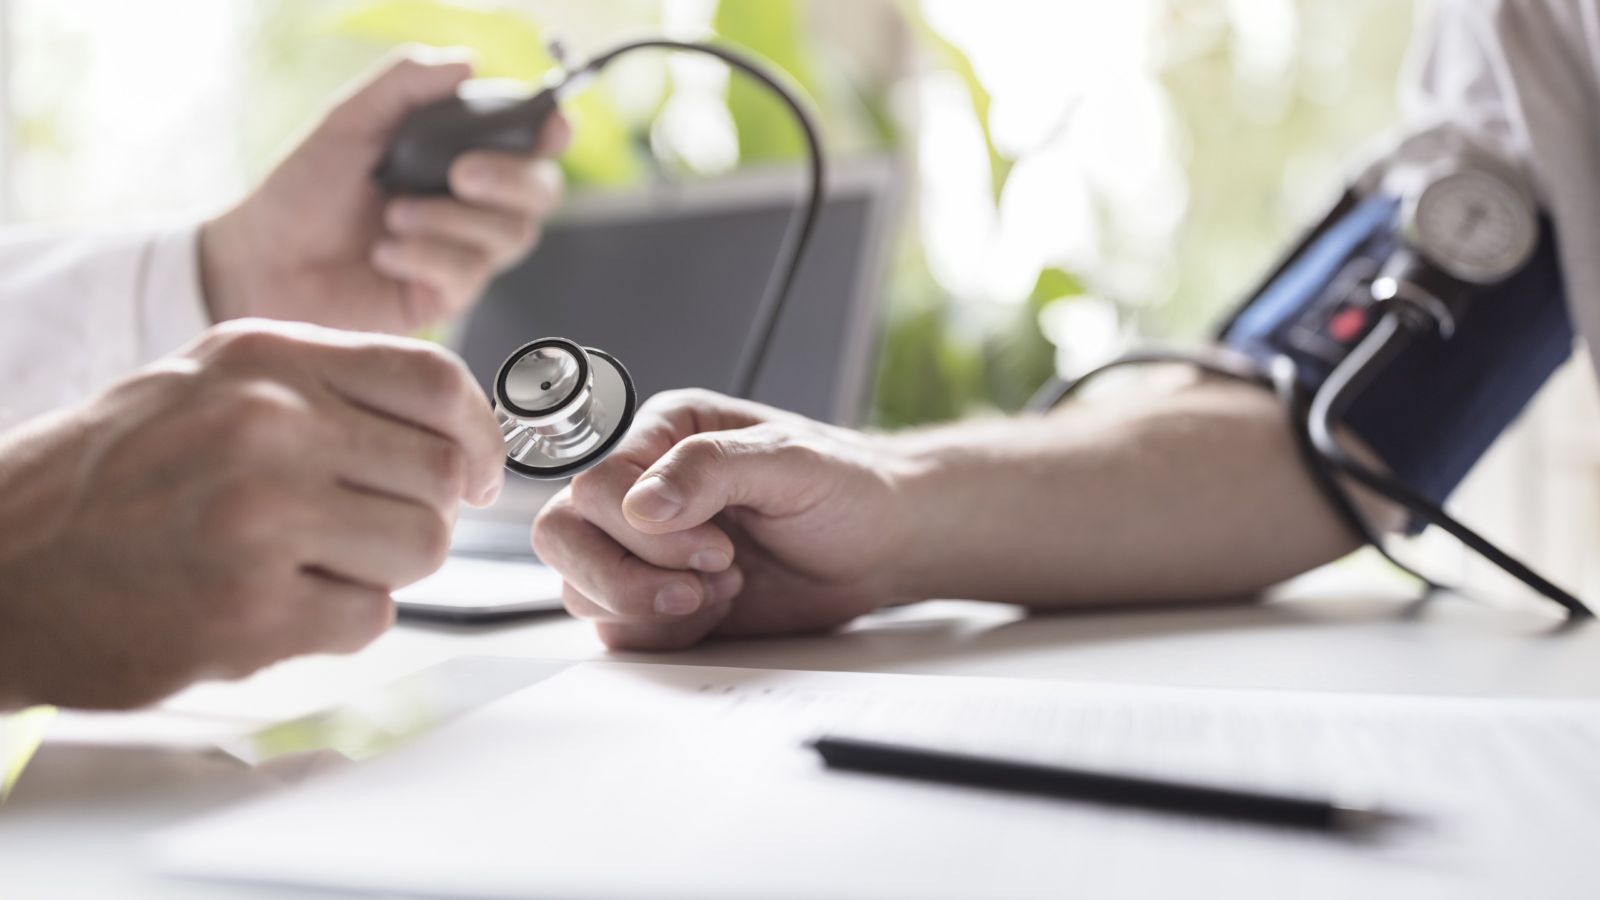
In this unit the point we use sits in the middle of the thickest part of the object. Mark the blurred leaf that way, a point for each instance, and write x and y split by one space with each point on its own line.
508 45
924 375
926 372
774 30
957 62
40 133
21 733
1053 285
1019 358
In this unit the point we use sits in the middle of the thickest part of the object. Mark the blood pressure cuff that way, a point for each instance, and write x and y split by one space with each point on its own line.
1434 411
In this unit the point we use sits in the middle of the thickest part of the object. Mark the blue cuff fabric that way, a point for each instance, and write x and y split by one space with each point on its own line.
1433 413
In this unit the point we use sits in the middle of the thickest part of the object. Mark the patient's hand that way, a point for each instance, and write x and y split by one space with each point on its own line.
319 242
721 516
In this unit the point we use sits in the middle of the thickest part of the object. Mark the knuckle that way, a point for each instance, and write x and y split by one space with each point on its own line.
447 466
370 618
560 503
770 435
258 416
575 603
702 451
552 521
636 591
588 492
247 607
244 512
691 398
473 265
635 598
524 233
489 170
439 378
791 451
432 539
245 342
168 379
780 443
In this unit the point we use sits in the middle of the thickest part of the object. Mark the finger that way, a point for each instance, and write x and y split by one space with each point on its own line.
762 468
457 271
597 496
556 136
420 384
502 236
509 182
377 541
671 416
629 588
654 636
381 455
343 617
414 382
400 84
319 613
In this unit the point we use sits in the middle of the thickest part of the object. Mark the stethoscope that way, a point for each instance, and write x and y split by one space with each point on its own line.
563 407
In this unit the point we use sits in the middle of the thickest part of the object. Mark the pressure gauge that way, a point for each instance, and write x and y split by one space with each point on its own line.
1474 224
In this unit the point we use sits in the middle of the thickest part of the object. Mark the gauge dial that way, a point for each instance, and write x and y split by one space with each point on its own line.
1473 224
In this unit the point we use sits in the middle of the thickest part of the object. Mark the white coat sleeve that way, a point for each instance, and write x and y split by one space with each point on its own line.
1523 77
79 310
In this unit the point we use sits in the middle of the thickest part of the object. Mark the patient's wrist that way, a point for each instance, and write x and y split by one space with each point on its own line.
225 279
935 490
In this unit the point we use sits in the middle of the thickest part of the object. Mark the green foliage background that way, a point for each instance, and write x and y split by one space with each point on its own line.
1246 139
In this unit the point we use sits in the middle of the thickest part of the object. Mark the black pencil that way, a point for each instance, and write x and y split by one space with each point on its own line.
1097 787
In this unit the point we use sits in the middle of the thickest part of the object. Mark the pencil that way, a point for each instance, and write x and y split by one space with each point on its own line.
1096 786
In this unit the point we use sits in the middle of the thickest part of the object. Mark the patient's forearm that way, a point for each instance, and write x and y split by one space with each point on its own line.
1192 494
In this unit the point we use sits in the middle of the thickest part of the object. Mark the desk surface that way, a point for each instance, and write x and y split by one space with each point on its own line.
73 826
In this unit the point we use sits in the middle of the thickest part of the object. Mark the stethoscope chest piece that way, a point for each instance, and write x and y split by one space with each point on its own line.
562 408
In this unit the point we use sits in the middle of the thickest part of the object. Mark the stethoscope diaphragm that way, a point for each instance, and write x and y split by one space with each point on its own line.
562 407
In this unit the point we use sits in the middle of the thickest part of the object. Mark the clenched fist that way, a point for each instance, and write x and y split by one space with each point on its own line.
254 497
318 242
722 516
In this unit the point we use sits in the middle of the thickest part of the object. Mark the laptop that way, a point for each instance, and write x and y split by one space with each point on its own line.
667 280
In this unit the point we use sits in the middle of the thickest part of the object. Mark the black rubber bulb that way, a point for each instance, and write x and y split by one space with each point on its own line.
430 139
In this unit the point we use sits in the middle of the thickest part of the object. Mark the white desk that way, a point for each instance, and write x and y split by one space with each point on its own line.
72 827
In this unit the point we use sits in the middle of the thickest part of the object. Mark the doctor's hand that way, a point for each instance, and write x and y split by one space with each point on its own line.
319 242
722 516
256 496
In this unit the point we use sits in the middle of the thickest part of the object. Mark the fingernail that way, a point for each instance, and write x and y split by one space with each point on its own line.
653 500
677 599
709 561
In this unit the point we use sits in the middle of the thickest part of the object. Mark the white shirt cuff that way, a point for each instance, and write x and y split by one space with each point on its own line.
172 307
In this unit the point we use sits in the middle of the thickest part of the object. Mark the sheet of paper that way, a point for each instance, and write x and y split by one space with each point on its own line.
612 780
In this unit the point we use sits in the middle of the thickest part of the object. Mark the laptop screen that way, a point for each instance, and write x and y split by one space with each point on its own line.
669 283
